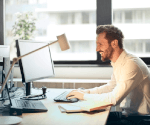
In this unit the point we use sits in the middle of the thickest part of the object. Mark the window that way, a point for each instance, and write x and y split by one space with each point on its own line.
85 17
117 16
63 18
128 16
147 17
138 16
80 24
134 21
92 17
75 19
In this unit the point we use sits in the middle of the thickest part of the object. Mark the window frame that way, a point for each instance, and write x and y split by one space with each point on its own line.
2 21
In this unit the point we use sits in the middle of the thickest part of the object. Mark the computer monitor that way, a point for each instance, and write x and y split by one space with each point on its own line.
35 66
4 68
4 59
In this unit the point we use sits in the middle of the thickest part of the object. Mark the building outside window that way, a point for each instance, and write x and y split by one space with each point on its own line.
76 19
134 21
85 17
78 22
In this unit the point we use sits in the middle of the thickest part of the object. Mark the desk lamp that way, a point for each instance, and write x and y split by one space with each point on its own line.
64 45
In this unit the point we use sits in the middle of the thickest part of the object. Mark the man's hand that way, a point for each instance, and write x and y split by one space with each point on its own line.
75 94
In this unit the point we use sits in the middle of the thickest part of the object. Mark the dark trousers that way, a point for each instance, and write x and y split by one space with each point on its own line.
116 118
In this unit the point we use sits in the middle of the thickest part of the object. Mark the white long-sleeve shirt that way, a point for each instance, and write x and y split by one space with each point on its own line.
129 86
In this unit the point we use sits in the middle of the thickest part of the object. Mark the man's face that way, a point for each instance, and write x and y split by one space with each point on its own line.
103 47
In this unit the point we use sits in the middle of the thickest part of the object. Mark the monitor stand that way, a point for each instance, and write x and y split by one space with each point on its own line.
28 88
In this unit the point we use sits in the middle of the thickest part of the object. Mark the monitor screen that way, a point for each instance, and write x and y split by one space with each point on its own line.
4 67
35 66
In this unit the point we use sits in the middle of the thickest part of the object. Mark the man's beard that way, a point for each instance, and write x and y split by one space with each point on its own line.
107 54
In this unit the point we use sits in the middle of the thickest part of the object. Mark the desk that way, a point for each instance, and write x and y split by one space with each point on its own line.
54 117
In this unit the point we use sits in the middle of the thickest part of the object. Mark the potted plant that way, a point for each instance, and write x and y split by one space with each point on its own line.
24 26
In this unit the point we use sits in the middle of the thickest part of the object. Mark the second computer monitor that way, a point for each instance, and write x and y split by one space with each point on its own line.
38 65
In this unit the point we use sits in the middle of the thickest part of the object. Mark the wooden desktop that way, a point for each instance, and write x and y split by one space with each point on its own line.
54 116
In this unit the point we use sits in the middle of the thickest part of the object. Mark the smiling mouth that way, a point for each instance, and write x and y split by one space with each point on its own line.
101 52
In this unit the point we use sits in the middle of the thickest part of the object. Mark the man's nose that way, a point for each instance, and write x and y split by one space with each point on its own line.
97 48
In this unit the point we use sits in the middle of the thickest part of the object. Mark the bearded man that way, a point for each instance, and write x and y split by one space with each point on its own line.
130 82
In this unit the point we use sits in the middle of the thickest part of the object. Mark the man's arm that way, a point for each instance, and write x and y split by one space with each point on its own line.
79 93
128 81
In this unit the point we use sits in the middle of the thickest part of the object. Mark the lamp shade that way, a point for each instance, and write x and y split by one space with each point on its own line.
63 42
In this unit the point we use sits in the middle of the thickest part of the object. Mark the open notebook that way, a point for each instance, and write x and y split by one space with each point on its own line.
83 106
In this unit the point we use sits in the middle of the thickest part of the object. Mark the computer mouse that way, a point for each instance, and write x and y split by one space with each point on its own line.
81 88
74 100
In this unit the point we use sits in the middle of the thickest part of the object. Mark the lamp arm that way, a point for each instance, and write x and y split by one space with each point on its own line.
4 83
36 50
17 59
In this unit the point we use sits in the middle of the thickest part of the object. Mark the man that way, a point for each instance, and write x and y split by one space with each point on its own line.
130 81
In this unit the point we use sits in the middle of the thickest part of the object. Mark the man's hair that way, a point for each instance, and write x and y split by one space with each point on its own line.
112 33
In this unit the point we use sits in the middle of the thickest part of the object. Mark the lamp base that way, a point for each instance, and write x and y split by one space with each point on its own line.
9 120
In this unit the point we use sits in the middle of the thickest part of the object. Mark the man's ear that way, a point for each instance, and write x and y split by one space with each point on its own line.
114 43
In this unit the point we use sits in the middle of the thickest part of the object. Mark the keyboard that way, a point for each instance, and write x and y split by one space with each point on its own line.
24 104
62 97
28 105
13 89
